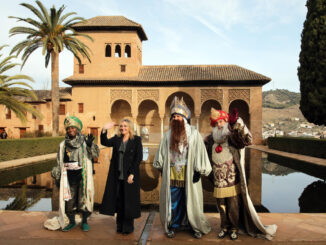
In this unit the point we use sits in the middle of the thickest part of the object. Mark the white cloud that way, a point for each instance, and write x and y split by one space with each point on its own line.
253 14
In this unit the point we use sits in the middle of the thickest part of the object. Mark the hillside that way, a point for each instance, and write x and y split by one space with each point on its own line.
280 99
280 104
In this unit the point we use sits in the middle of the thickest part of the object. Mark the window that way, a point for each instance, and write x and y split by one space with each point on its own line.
22 131
80 107
123 68
40 128
117 52
108 50
81 69
8 113
62 110
127 51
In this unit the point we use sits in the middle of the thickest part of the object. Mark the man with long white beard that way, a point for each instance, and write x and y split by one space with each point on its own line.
225 147
182 158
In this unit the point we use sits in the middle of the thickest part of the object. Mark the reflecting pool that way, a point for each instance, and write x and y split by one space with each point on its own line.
301 188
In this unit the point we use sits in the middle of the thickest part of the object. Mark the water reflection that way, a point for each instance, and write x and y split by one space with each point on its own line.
285 190
312 199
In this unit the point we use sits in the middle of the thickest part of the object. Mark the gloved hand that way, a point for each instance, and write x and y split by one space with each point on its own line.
196 177
89 140
233 117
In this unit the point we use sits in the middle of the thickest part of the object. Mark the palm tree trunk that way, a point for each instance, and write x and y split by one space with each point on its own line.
55 92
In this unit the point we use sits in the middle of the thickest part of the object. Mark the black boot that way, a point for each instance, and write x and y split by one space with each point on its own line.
72 223
85 226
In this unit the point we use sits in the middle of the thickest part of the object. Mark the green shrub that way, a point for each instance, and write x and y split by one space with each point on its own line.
304 146
20 148
36 133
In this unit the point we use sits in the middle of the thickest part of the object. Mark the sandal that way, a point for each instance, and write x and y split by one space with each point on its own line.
170 233
222 234
233 235
197 234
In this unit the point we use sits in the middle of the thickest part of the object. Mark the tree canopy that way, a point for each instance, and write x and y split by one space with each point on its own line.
13 90
312 69
51 30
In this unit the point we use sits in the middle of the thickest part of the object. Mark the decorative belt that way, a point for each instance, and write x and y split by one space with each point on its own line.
72 166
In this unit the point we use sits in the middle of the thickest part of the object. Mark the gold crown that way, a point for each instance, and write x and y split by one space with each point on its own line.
179 106
218 114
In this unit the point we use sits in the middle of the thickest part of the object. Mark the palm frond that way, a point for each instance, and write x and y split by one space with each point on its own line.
35 11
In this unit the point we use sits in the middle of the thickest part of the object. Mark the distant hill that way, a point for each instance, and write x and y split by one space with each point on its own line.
280 99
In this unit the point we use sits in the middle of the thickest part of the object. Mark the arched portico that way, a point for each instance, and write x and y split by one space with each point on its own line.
149 122
204 122
243 110
186 98
120 109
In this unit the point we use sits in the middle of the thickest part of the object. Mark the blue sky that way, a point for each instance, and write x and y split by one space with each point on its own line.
260 35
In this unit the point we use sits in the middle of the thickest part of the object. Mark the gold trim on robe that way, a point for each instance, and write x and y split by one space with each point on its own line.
225 192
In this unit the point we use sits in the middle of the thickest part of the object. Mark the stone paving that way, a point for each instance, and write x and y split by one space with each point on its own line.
20 227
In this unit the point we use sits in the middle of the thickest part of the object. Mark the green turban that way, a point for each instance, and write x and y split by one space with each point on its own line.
72 121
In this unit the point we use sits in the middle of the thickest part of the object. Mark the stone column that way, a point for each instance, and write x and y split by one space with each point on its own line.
197 121
225 100
256 114
162 126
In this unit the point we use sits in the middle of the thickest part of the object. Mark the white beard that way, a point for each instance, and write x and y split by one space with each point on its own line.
220 135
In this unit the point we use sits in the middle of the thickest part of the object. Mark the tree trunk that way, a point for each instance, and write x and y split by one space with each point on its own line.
55 92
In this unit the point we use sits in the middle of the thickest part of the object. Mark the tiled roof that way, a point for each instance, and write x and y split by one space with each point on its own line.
198 72
111 22
45 95
181 74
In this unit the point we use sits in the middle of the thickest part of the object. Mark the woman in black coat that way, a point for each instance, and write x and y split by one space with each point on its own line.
122 191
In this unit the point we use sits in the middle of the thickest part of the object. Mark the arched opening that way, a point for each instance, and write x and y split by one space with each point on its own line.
149 122
117 52
119 110
108 50
127 51
189 102
243 110
204 121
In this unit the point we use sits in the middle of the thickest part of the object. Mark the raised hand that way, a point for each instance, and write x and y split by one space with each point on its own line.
109 125
89 140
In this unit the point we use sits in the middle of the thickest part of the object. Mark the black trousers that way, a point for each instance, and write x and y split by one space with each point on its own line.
124 224
75 204
229 211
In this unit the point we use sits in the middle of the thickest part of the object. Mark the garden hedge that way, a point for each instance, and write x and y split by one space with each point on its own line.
304 146
27 147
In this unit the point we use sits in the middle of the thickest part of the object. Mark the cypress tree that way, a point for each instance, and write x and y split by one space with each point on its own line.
312 69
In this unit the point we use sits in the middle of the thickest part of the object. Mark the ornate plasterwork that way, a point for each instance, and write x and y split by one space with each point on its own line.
123 94
239 94
211 94
148 94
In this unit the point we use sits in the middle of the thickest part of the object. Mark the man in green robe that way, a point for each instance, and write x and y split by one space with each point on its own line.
182 158
74 175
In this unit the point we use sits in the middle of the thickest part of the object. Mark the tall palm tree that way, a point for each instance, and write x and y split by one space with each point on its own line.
13 90
51 31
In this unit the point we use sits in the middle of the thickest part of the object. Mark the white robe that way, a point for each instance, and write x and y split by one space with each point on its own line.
197 161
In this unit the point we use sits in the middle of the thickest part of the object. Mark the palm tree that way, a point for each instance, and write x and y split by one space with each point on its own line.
12 90
51 31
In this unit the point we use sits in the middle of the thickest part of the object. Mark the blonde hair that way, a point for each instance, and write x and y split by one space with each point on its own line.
130 124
